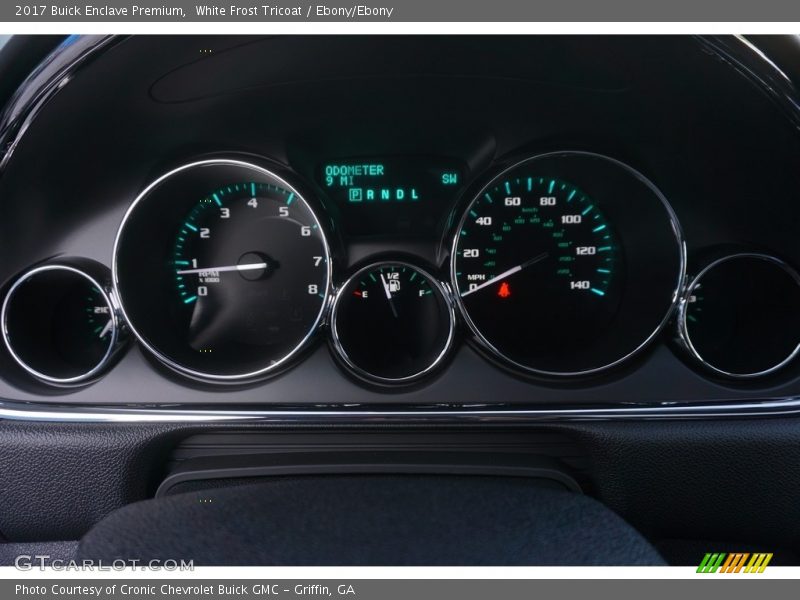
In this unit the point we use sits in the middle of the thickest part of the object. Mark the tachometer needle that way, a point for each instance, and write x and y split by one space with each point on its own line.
388 295
510 271
248 267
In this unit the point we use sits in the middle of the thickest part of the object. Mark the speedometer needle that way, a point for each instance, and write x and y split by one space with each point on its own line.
248 267
510 271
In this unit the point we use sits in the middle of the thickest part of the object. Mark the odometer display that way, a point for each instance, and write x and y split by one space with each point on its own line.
223 270
542 270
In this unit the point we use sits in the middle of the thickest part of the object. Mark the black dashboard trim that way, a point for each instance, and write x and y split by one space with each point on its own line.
55 72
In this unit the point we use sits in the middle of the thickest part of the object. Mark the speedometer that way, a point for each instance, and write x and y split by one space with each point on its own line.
566 263
573 243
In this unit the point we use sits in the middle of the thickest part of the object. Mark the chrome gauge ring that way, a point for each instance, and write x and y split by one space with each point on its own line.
222 270
59 322
392 323
567 264
740 316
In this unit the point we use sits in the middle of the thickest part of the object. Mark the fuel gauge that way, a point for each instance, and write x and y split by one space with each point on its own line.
392 323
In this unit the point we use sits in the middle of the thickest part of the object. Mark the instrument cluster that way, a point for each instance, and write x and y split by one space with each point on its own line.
554 266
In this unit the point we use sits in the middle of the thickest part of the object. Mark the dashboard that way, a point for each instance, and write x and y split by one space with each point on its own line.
470 225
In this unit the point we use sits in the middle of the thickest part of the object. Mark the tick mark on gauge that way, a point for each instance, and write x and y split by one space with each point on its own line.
192 227
599 228
598 292
190 299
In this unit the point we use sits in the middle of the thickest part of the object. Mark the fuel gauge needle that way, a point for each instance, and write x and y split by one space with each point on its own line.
510 271
388 295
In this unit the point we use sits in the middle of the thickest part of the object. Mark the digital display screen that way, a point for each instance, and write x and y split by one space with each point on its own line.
404 195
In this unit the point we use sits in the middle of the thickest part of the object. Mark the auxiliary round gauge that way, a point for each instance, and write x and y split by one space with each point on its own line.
392 323
59 323
222 270
740 317
567 263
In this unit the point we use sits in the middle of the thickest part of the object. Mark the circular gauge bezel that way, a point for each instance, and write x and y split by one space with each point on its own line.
440 288
276 366
476 192
682 319
89 375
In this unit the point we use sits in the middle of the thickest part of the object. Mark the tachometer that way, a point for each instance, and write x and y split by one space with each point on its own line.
222 270
566 263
